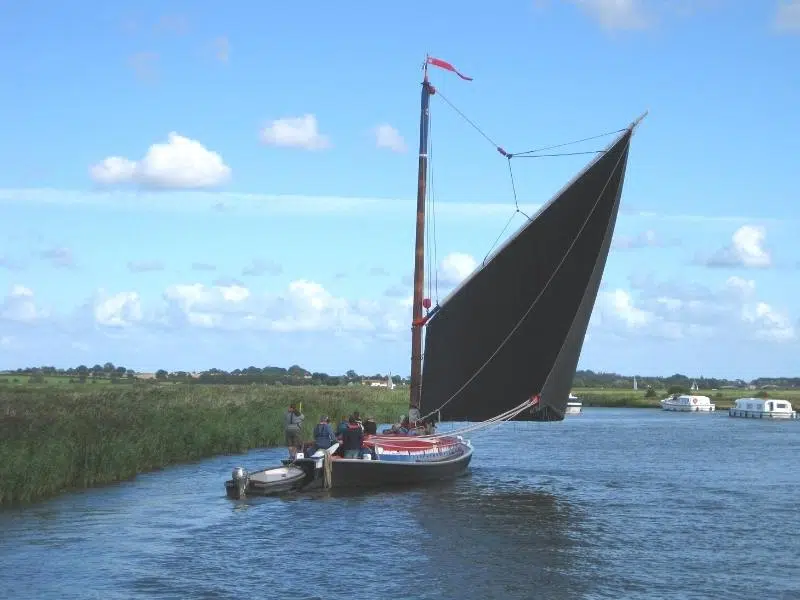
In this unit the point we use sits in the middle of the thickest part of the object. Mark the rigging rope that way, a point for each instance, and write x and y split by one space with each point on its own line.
525 154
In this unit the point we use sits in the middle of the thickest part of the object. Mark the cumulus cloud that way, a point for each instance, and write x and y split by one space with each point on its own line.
745 250
787 16
389 138
179 163
295 132
303 306
20 305
684 311
142 266
122 309
455 267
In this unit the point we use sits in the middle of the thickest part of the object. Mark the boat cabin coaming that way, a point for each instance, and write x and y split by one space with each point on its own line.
762 408
688 403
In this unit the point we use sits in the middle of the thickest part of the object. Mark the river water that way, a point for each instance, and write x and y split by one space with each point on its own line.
614 503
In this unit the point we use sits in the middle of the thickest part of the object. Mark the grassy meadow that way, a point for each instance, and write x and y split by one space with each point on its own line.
57 438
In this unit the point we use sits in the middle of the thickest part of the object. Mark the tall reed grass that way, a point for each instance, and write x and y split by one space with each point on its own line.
53 440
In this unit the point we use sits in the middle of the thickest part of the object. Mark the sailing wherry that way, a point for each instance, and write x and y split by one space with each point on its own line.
503 345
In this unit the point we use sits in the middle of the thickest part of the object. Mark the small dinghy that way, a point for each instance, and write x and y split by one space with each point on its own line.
292 475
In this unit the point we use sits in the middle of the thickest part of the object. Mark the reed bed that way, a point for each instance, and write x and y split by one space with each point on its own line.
53 440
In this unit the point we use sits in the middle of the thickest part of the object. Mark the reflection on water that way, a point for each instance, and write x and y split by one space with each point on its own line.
616 503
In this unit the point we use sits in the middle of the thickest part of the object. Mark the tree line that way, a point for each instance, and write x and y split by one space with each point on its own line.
297 375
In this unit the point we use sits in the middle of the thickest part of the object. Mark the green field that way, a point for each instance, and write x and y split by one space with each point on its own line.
54 439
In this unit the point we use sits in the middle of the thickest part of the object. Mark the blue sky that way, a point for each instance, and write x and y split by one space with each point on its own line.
190 186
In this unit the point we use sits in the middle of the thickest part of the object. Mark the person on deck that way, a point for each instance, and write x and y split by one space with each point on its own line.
405 426
323 434
357 417
342 427
292 422
370 426
352 439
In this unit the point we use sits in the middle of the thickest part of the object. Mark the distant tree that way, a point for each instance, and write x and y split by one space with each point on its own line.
650 393
161 375
82 370
36 378
677 389
130 374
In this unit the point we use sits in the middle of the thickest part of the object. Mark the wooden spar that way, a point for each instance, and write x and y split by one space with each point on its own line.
419 247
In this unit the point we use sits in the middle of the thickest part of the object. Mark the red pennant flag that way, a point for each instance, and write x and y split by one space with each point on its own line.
447 66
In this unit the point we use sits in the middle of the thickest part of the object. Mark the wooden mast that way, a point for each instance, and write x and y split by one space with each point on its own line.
419 247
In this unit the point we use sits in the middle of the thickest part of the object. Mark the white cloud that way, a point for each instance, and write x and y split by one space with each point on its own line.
117 310
646 239
678 311
303 306
787 16
616 14
179 163
295 132
455 267
388 137
746 250
20 305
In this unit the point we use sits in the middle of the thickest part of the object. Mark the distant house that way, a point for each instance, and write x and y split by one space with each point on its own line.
380 383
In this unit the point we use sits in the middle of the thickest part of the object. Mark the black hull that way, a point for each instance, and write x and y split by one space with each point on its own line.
361 474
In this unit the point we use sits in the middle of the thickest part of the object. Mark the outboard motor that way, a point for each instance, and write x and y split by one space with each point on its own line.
240 478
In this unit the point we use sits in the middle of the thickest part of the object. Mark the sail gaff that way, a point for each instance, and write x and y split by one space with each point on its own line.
516 326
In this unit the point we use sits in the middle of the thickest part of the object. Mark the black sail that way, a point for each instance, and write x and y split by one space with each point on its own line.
516 326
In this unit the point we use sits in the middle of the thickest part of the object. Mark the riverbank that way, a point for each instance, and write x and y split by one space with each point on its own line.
55 440
724 399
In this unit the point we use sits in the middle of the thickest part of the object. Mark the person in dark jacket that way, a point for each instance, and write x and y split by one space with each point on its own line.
352 438
370 426
323 434
342 426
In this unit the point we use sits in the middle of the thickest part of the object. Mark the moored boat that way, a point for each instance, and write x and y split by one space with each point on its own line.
688 403
574 405
762 408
